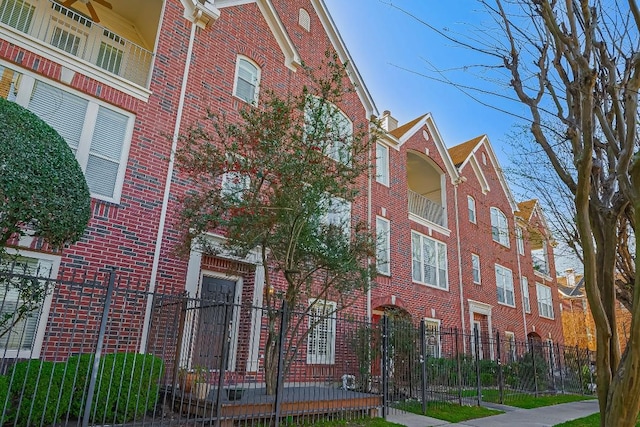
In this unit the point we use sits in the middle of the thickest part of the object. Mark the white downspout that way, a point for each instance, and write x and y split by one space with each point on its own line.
167 190
460 284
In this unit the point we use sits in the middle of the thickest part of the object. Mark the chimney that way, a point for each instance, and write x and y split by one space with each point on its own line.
388 122
570 274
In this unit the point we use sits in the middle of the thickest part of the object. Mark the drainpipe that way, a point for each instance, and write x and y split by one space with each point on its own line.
460 284
167 192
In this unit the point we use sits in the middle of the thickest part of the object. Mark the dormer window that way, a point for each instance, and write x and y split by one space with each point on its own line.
247 80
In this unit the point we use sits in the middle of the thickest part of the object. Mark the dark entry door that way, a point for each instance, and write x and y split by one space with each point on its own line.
214 317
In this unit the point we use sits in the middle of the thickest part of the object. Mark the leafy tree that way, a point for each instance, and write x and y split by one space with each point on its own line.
42 193
281 179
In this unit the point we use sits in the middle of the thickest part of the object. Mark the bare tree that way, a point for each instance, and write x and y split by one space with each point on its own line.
576 64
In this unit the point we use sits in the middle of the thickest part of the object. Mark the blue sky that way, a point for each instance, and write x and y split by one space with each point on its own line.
384 43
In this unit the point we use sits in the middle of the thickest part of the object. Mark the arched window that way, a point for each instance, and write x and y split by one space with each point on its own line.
499 227
247 80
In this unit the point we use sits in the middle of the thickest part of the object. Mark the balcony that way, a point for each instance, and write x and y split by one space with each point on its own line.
74 34
425 208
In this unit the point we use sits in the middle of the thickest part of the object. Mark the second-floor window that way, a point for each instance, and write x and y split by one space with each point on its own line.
525 295
338 214
471 206
247 80
429 264
475 266
382 164
329 129
382 245
504 283
545 301
499 227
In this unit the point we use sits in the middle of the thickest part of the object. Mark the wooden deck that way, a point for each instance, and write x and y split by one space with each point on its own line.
296 401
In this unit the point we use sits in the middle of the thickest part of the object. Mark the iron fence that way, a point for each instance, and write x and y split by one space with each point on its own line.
75 351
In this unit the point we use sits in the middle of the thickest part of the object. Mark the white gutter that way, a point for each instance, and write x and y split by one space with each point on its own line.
167 191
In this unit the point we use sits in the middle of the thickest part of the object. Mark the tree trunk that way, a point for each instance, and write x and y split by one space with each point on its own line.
271 353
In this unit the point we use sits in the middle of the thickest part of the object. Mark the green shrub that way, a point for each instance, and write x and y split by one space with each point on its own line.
37 393
126 387
5 402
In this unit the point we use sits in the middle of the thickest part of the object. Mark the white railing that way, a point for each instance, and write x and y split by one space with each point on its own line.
74 34
425 208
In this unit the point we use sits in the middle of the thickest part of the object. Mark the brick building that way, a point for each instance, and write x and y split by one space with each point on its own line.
461 252
120 84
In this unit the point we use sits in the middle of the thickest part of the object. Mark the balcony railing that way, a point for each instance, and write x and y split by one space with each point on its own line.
74 34
425 208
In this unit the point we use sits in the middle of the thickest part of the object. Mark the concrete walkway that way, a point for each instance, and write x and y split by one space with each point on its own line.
539 417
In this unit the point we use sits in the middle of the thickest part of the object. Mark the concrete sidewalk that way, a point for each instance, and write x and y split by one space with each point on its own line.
539 417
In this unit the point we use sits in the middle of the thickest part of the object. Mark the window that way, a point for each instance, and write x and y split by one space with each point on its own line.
471 205
383 245
338 213
432 337
328 128
98 135
247 80
545 301
504 283
510 343
234 183
382 164
519 241
499 227
109 58
322 335
475 266
525 295
304 20
429 261
66 41
22 335
17 14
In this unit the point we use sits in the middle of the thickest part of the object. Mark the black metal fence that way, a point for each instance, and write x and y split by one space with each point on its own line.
103 350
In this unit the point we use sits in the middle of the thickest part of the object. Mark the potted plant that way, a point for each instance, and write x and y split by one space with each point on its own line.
195 381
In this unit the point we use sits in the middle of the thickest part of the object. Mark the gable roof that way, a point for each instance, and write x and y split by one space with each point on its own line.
571 291
525 209
406 131
461 152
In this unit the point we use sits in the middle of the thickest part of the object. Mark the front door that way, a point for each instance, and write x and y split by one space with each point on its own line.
215 316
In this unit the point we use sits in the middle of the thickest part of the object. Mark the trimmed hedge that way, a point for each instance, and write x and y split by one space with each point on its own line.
45 393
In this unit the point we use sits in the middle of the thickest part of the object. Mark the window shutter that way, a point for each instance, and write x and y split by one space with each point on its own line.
106 149
61 110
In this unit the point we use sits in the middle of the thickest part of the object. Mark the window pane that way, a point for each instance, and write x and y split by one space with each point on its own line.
416 255
109 58
429 253
382 164
109 134
66 41
61 110
17 14
102 176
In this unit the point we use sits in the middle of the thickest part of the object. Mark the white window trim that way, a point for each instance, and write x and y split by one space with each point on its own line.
446 261
503 229
34 352
541 301
239 58
526 297
471 207
519 240
23 97
331 343
476 257
382 178
387 241
438 343
505 289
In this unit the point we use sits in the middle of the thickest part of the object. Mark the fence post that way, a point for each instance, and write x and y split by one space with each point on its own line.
476 344
178 349
500 371
533 364
551 363
226 338
385 367
96 358
458 368
423 361
580 371
280 378
560 364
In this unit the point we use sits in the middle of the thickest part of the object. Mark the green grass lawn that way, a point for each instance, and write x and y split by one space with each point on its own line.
527 401
590 421
363 422
447 411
